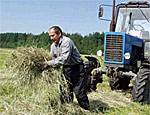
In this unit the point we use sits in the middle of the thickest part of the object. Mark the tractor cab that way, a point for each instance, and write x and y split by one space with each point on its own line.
134 18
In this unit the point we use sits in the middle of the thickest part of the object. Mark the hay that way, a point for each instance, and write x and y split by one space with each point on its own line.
24 64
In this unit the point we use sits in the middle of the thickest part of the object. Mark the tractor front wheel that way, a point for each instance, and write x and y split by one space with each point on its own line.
141 86
117 83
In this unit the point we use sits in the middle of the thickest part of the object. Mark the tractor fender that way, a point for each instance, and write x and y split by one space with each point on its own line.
94 60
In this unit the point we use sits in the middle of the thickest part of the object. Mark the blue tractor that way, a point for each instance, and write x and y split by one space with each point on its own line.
126 50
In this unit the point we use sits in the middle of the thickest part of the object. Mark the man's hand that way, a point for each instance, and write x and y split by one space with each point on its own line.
44 65
47 63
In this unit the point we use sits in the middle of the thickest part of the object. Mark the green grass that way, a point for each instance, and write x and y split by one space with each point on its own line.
33 100
4 54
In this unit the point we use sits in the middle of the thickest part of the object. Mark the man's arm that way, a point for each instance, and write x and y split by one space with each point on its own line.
52 51
64 57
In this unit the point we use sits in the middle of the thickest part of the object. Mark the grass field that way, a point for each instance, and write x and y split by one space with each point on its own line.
33 100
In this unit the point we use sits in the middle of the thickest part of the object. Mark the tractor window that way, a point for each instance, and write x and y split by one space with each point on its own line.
120 18
134 21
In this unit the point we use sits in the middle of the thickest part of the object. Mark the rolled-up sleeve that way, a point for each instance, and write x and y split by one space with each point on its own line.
66 50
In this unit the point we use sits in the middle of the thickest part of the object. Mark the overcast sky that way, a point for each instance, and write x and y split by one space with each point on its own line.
37 16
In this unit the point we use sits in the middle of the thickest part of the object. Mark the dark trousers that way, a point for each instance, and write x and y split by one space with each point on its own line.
76 81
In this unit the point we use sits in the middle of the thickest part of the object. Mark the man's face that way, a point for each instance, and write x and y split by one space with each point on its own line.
54 37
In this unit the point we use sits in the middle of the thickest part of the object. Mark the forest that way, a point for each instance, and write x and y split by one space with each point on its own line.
88 44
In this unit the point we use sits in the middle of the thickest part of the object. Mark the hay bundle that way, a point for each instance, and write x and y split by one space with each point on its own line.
24 62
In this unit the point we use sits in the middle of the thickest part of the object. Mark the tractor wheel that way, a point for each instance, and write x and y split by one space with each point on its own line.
141 86
89 66
119 83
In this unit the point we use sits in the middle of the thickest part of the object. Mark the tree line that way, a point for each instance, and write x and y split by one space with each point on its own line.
88 44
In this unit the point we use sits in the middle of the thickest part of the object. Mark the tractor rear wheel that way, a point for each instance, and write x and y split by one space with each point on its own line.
141 86
89 66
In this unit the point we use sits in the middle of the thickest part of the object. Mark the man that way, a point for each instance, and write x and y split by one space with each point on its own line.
66 54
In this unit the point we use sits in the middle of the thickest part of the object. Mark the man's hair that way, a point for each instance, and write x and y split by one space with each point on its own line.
57 30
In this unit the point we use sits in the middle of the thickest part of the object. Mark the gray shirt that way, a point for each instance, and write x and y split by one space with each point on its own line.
65 53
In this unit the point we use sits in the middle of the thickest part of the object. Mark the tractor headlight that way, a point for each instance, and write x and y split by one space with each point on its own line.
99 53
127 55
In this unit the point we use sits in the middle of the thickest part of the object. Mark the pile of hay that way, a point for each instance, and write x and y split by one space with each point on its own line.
24 63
